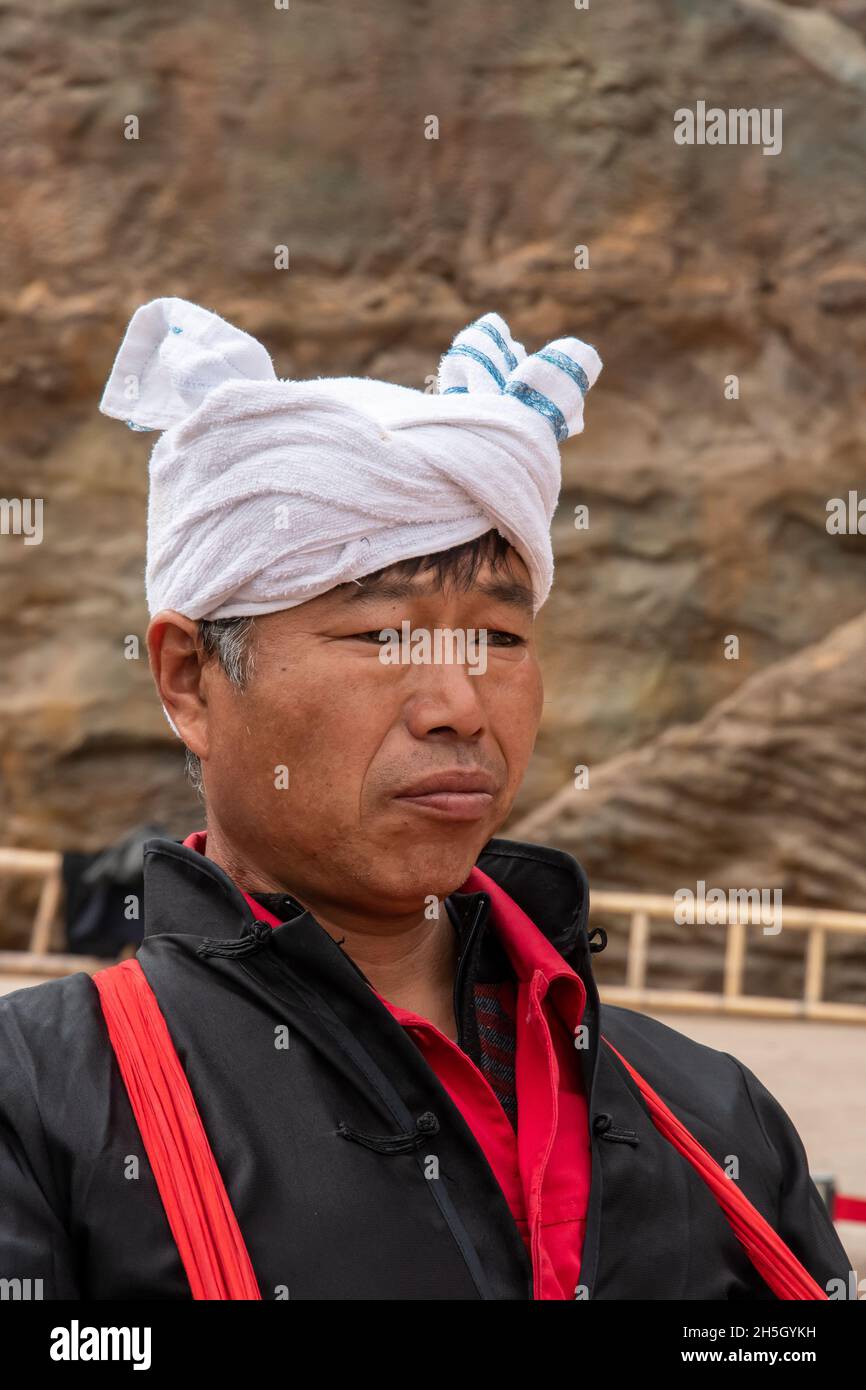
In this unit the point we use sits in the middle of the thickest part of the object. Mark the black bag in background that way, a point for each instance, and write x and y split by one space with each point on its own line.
104 910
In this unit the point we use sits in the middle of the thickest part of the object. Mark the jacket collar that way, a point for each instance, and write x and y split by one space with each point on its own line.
187 894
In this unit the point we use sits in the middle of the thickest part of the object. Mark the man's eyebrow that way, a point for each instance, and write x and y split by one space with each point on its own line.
509 591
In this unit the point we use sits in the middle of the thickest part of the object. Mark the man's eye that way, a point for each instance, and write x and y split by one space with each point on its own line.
495 636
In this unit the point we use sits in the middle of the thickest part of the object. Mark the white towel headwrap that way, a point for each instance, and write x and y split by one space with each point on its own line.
265 493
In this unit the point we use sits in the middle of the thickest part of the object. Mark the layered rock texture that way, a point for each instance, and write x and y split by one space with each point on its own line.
767 791
306 128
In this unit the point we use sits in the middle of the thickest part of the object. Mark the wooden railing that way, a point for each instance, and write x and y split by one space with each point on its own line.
39 958
642 909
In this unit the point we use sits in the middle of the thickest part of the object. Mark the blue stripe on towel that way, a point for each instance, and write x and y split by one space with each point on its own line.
493 332
543 404
568 365
464 350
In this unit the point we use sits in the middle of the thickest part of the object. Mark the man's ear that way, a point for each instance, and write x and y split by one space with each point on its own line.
176 664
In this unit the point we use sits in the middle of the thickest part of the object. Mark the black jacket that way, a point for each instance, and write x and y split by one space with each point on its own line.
324 1214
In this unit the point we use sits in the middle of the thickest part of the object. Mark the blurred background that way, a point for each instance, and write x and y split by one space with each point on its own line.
306 127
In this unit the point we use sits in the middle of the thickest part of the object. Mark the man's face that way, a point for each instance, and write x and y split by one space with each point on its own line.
355 737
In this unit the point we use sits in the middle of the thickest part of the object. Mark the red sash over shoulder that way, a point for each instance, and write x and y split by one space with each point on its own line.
196 1203
192 1191
774 1261
772 1258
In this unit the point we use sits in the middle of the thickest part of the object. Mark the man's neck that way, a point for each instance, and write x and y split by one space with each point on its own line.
412 964
414 969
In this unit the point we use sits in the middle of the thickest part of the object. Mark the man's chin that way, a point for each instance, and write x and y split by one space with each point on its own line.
433 867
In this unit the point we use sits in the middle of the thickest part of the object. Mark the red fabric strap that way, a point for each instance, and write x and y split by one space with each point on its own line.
196 1203
195 1200
774 1261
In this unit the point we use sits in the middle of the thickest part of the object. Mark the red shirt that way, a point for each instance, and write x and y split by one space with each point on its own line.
544 1169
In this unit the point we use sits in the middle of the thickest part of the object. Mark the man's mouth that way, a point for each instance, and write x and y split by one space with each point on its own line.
463 794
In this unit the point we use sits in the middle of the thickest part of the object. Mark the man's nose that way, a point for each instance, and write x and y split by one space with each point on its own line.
445 698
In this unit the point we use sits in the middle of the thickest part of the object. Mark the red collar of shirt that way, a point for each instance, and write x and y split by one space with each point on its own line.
543 1170
533 958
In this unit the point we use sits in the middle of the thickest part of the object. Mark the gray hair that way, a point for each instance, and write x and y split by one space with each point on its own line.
230 641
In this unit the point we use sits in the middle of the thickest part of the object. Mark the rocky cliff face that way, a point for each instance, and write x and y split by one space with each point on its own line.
305 128
767 791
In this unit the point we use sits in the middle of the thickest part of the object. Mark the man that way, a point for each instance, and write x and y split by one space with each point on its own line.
361 1054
